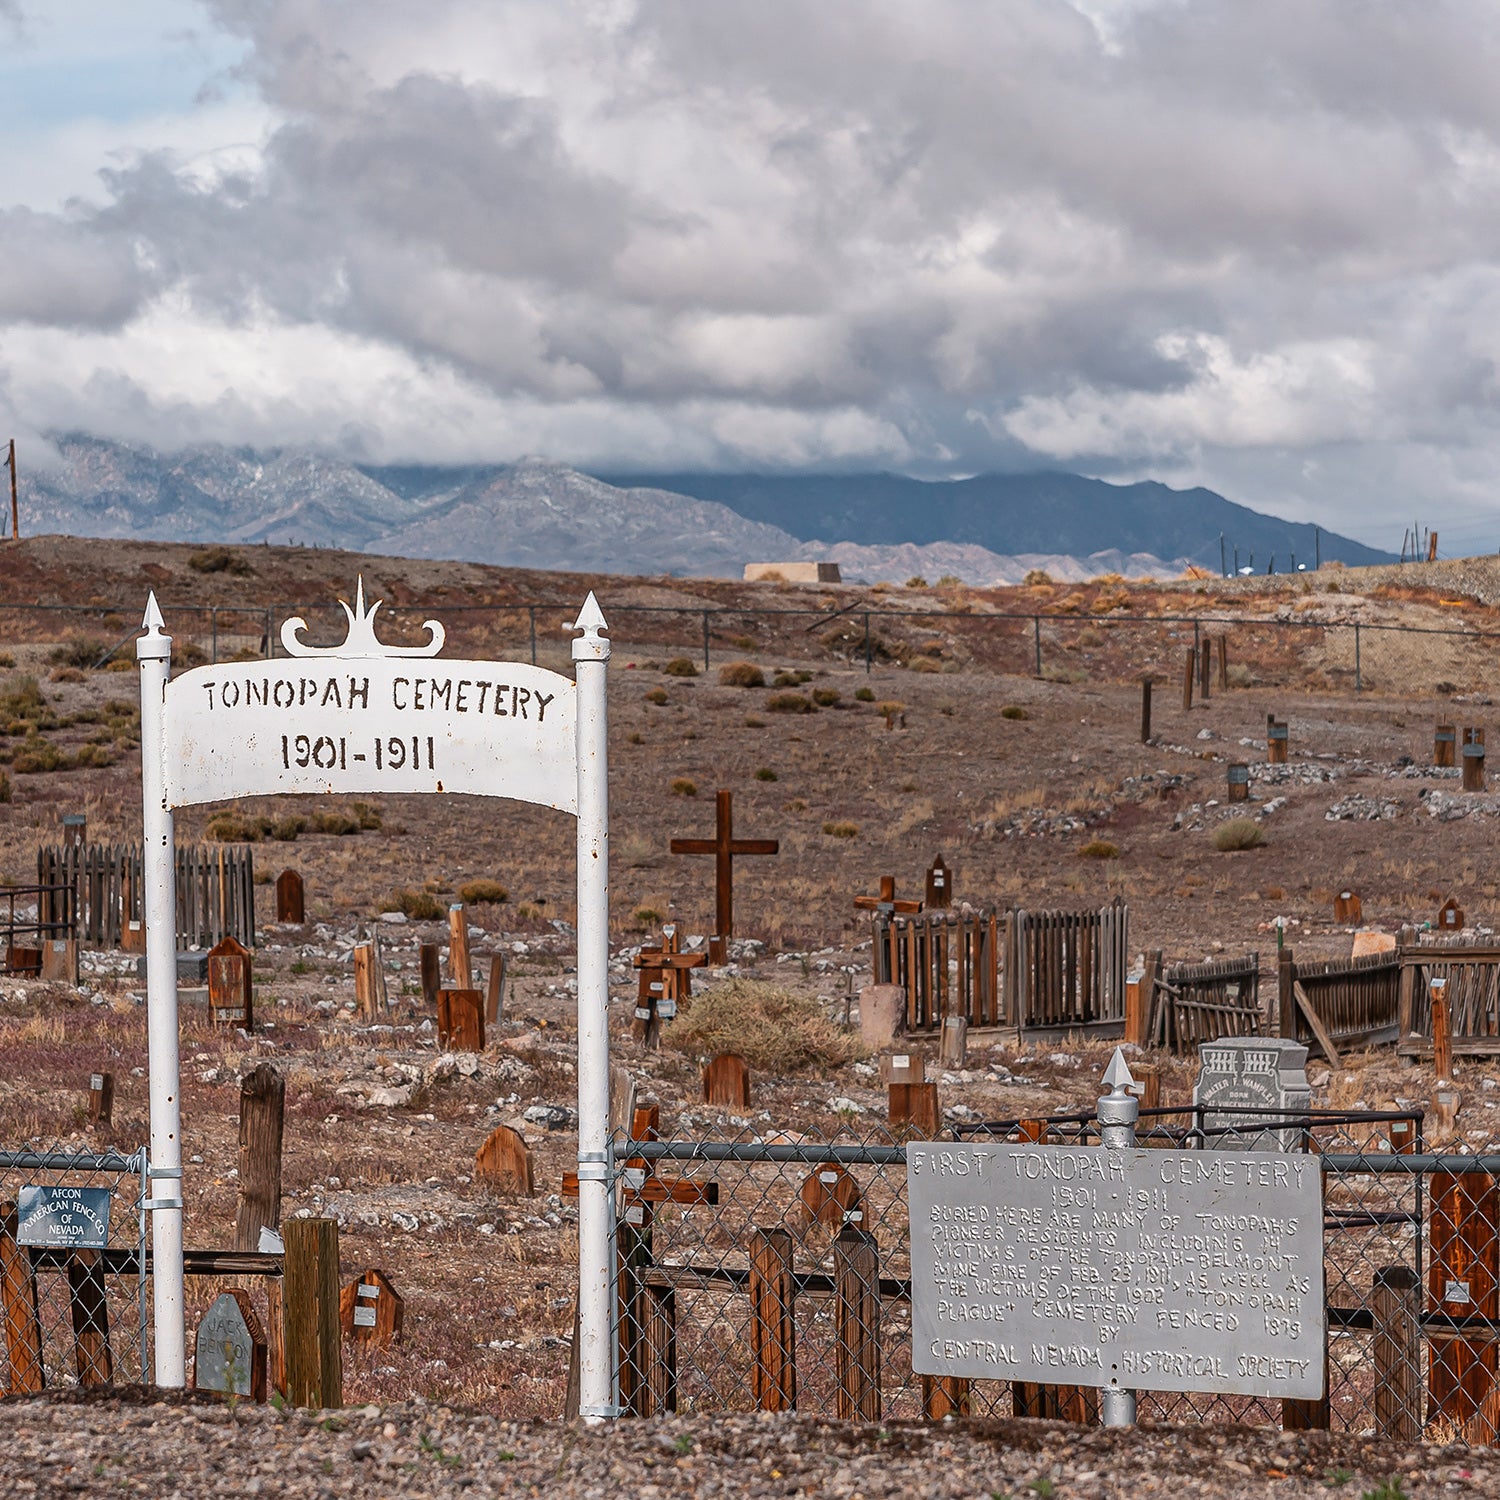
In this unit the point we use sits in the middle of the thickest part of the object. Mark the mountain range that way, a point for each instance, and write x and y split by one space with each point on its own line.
991 529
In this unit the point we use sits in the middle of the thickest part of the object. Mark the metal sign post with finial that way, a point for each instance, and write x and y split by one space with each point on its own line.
1117 1113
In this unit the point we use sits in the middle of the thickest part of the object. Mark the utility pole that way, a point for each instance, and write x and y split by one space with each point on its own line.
15 509
1317 549
1223 569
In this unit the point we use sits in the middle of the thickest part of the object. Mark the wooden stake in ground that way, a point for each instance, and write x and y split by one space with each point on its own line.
314 1357
1473 760
101 1099
262 1113
723 846
1145 710
458 947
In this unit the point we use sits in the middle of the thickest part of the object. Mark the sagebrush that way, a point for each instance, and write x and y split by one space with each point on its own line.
775 1030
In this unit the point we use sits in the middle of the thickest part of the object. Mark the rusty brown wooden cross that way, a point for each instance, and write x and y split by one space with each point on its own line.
666 975
886 902
724 846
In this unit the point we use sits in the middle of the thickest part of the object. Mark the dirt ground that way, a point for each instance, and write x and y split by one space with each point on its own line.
1011 779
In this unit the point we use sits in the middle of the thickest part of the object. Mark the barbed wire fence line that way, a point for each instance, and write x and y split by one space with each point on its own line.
1295 655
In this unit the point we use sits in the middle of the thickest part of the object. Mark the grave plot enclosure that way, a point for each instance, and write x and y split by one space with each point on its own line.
1046 973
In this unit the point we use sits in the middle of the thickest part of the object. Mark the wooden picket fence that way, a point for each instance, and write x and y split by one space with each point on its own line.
1046 973
1356 1000
215 891
1193 1003
1470 963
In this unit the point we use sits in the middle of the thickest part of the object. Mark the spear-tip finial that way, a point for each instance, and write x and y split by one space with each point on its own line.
153 621
590 618
1117 1076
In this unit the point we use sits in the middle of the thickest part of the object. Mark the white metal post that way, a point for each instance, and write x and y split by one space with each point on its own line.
595 1198
154 652
1117 1112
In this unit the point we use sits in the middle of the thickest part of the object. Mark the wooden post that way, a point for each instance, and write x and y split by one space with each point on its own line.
944 1396
460 1020
1309 1416
1461 1283
262 1116
89 1306
1278 740
101 1099
1135 1011
429 960
314 1359
658 1389
1223 663
953 1050
1145 710
60 961
1187 679
365 989
939 885
1444 743
773 1327
1286 1000
1148 1075
18 1303
915 1105
1205 668
856 1290
1442 1032
494 995
1396 1308
458 947
1238 781
1473 760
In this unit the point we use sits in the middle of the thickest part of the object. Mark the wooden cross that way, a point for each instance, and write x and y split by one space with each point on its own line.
641 1187
666 978
886 903
724 846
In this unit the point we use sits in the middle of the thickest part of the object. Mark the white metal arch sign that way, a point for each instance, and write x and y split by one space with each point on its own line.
364 717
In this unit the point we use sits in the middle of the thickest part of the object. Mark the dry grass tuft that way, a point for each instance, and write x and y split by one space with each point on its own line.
483 893
742 674
1099 849
776 1031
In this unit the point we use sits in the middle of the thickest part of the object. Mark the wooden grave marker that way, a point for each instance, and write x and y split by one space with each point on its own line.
1444 745
60 961
724 847
460 1020
310 1313
291 898
1442 1030
726 1081
371 1310
1462 1282
230 1351
1238 781
666 979
885 904
939 885
1348 909
459 970
1190 671
953 1050
101 1099
1278 740
430 967
262 1130
369 980
902 1067
504 1159
915 1105
1450 917
494 993
230 996
830 1196
1473 760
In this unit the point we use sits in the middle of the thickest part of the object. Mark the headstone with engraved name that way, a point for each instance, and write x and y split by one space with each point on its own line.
1264 1075
231 1348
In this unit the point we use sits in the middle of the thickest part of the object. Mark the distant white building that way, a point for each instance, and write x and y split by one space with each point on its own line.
794 572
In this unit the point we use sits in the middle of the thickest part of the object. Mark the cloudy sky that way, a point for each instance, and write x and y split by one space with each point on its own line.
1255 246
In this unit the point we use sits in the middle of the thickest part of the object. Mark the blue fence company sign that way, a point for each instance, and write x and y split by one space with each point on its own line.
67 1218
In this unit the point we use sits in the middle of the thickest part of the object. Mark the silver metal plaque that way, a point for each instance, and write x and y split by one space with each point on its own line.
1143 1270
226 1349
75 1218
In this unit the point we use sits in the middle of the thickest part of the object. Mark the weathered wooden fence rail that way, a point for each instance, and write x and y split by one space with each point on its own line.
1193 1003
1470 966
1356 1001
215 892
1046 973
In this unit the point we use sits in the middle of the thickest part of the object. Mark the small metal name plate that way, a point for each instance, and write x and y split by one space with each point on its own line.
72 1218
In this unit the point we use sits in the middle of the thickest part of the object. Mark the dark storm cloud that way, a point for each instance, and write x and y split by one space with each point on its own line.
1119 235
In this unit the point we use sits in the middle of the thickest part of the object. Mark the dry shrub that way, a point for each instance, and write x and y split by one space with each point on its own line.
789 703
65 674
825 697
742 674
864 695
1014 711
420 906
646 916
680 666
658 696
1100 849
1037 578
219 560
4 787
1238 833
841 829
776 1031
483 893
684 786
765 773
924 664
37 756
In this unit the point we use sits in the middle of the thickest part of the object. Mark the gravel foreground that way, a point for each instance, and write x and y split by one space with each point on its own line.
188 1447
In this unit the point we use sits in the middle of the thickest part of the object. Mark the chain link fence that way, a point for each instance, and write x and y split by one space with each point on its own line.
1299 655
775 1275
72 1316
